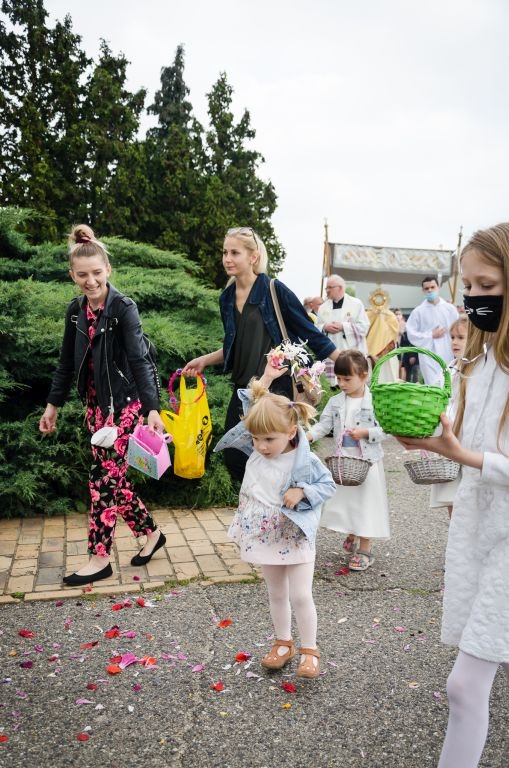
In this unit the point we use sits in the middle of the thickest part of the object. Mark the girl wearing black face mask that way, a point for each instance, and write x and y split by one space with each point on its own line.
476 596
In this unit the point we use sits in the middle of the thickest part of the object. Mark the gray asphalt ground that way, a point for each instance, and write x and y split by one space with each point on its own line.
380 702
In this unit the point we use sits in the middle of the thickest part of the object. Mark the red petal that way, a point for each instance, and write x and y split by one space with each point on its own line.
224 623
26 633
113 669
82 737
3 738
141 602
89 645
92 686
289 687
52 658
113 632
116 659
117 607
342 572
242 656
219 686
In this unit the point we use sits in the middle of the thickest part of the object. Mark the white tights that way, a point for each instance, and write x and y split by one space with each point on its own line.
468 689
291 586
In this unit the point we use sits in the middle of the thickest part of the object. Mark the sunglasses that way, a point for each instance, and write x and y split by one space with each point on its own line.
243 231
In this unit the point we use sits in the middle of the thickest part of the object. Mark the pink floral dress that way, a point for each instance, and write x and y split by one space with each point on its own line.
111 492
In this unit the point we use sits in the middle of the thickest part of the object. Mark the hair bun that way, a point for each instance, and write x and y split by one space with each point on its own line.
81 233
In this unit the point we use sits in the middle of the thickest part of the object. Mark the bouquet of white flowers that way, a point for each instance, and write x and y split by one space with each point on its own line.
306 378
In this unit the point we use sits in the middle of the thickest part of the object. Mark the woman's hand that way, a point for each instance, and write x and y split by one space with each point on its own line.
48 421
198 365
193 367
155 422
447 444
292 497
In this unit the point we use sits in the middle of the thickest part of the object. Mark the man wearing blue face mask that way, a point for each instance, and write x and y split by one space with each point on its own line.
428 327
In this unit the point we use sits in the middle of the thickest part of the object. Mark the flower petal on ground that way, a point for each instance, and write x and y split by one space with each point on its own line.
224 623
219 686
26 633
289 687
111 633
126 660
242 656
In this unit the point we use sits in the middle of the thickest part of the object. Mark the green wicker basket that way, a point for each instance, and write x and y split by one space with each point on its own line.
406 409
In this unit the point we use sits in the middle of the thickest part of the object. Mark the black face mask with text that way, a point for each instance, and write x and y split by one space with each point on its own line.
485 312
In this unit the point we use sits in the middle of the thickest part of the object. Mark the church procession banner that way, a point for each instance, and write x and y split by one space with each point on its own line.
400 266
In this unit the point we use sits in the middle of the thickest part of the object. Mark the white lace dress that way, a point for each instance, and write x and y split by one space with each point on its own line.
363 509
264 534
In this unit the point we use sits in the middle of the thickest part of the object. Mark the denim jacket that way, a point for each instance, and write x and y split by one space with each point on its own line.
297 322
333 417
308 473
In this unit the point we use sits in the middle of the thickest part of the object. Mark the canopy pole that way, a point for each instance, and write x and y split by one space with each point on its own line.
326 255
454 287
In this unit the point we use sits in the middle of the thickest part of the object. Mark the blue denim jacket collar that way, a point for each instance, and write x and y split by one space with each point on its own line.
299 327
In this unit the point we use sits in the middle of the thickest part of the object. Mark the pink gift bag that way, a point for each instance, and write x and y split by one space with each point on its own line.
148 451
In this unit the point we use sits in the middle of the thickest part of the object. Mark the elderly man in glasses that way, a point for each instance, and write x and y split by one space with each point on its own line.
344 320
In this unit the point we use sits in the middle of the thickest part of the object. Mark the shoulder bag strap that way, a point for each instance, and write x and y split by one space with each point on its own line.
277 308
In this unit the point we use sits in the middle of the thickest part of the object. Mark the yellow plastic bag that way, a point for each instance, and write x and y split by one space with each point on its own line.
190 426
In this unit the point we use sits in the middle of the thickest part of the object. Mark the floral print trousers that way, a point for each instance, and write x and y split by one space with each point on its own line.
110 491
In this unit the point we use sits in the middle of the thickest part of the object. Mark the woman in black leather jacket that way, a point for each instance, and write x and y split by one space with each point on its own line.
104 350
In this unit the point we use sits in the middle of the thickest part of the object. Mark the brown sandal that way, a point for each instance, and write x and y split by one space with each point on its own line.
274 660
306 667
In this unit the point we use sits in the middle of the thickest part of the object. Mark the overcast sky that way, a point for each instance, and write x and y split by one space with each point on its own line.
390 118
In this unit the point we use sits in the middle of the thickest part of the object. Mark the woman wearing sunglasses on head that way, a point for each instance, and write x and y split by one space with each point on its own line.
251 327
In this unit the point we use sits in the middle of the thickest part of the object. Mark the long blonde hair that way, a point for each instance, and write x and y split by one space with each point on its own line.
492 247
274 413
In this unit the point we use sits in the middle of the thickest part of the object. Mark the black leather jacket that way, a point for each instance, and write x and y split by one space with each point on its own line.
122 372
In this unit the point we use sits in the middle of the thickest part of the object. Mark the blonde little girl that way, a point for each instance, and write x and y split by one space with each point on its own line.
361 511
279 509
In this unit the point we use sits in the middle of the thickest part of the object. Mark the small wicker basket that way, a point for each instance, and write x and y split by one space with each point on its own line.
427 471
406 409
348 470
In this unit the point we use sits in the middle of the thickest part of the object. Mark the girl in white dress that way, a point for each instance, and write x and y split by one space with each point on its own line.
360 511
279 509
476 596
